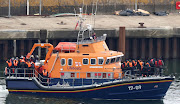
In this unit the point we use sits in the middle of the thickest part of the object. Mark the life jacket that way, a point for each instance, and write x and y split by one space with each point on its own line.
148 65
125 64
44 72
141 64
156 63
134 63
29 64
130 64
122 66
152 61
160 63
9 63
15 62
22 60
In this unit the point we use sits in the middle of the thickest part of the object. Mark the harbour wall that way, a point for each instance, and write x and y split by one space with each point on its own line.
48 7
140 43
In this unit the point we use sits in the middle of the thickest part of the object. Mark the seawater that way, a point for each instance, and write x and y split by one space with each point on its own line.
172 96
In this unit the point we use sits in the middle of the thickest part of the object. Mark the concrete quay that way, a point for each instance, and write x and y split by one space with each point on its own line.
160 40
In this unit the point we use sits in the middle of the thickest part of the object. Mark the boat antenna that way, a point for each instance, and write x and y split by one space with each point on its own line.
92 12
95 13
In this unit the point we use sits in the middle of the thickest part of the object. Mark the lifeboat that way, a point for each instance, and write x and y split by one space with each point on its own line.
85 69
65 46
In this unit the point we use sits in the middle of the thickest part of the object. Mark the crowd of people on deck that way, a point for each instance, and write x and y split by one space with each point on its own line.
22 63
144 68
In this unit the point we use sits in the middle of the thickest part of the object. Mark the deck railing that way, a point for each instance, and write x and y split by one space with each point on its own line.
29 73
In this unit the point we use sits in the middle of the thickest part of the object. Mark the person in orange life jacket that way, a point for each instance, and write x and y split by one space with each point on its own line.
134 63
45 76
15 62
138 67
147 69
9 65
28 64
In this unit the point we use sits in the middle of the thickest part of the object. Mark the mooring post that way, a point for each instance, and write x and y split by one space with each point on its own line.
166 48
150 48
135 48
15 48
5 49
143 46
22 47
174 47
158 48
122 38
127 48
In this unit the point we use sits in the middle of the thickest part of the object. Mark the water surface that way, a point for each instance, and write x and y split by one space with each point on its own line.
172 96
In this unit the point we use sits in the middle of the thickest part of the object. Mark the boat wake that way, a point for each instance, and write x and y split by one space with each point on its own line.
3 94
173 94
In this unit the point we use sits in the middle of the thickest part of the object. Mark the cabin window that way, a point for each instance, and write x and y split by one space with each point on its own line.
72 75
63 61
118 59
93 61
100 61
85 61
107 61
70 62
88 75
104 75
113 60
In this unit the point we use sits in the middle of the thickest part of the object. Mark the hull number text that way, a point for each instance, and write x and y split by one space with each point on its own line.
138 87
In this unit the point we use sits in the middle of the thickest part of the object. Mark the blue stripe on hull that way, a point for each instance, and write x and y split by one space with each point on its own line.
147 91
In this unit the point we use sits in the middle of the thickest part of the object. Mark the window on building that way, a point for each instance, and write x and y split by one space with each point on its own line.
107 61
88 75
85 61
93 61
63 61
100 61
113 60
70 62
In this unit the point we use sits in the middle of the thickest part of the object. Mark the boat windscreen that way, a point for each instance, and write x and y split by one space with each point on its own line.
107 61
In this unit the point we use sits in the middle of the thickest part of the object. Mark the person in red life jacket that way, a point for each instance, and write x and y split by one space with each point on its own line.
161 64
94 36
